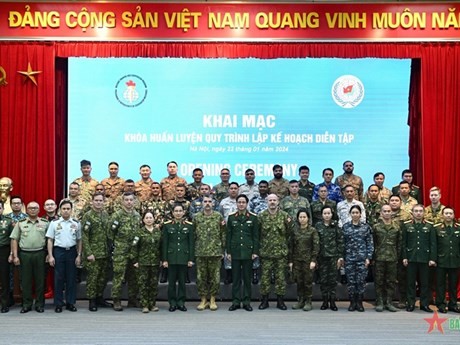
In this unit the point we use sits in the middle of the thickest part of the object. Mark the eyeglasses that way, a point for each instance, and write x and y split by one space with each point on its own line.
32 208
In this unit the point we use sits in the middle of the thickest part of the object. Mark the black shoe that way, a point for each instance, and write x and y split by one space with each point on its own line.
172 308
410 308
442 310
264 303
5 310
25 310
454 309
280 303
247 307
234 307
70 307
352 306
426 309
92 305
359 303
325 304
182 308
58 309
39 309
332 304
100 302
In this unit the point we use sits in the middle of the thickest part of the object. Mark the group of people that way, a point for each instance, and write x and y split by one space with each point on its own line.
147 231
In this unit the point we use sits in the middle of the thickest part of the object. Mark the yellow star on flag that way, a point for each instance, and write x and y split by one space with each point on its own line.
30 74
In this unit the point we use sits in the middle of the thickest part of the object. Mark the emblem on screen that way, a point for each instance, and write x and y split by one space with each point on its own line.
347 91
131 90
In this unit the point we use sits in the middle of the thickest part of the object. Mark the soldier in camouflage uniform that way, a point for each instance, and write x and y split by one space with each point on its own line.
142 187
193 189
305 186
359 248
348 178
242 248
400 216
178 253
330 256
196 206
113 184
117 204
169 183
433 212
256 205
220 190
372 205
124 223
147 261
292 203
86 182
387 242
78 203
419 252
407 176
210 235
250 188
181 190
303 252
275 228
407 201
448 262
317 206
278 185
384 193
95 239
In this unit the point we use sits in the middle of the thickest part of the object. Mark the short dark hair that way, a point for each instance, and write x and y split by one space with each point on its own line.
197 169
263 182
404 182
235 183
355 207
406 171
372 185
115 163
171 162
84 163
66 202
242 196
379 173
97 194
145 166
328 169
293 181
129 181
15 197
277 166
303 167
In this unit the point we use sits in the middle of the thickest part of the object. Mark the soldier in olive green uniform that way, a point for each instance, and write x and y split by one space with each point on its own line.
318 205
448 262
6 257
330 256
303 252
210 236
306 187
419 252
387 246
29 236
124 223
95 239
372 205
178 253
147 261
275 228
242 248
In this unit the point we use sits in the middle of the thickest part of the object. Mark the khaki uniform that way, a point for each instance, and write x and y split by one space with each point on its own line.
408 204
434 215
280 187
143 189
353 180
113 187
87 187
168 187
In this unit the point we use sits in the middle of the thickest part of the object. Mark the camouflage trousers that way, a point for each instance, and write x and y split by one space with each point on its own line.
327 267
208 275
123 266
402 282
148 284
356 272
385 280
303 276
278 267
96 279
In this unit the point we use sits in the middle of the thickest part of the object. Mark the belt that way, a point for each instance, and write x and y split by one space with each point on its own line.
31 250
65 248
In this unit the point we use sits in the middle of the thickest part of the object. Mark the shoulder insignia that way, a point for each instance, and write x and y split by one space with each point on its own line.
231 214
438 224
188 222
168 222
22 220
428 222
54 220
252 213
408 221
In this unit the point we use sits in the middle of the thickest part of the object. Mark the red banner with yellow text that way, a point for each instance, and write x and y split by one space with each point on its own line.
133 21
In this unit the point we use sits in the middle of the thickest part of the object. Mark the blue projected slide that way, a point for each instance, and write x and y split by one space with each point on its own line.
238 113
